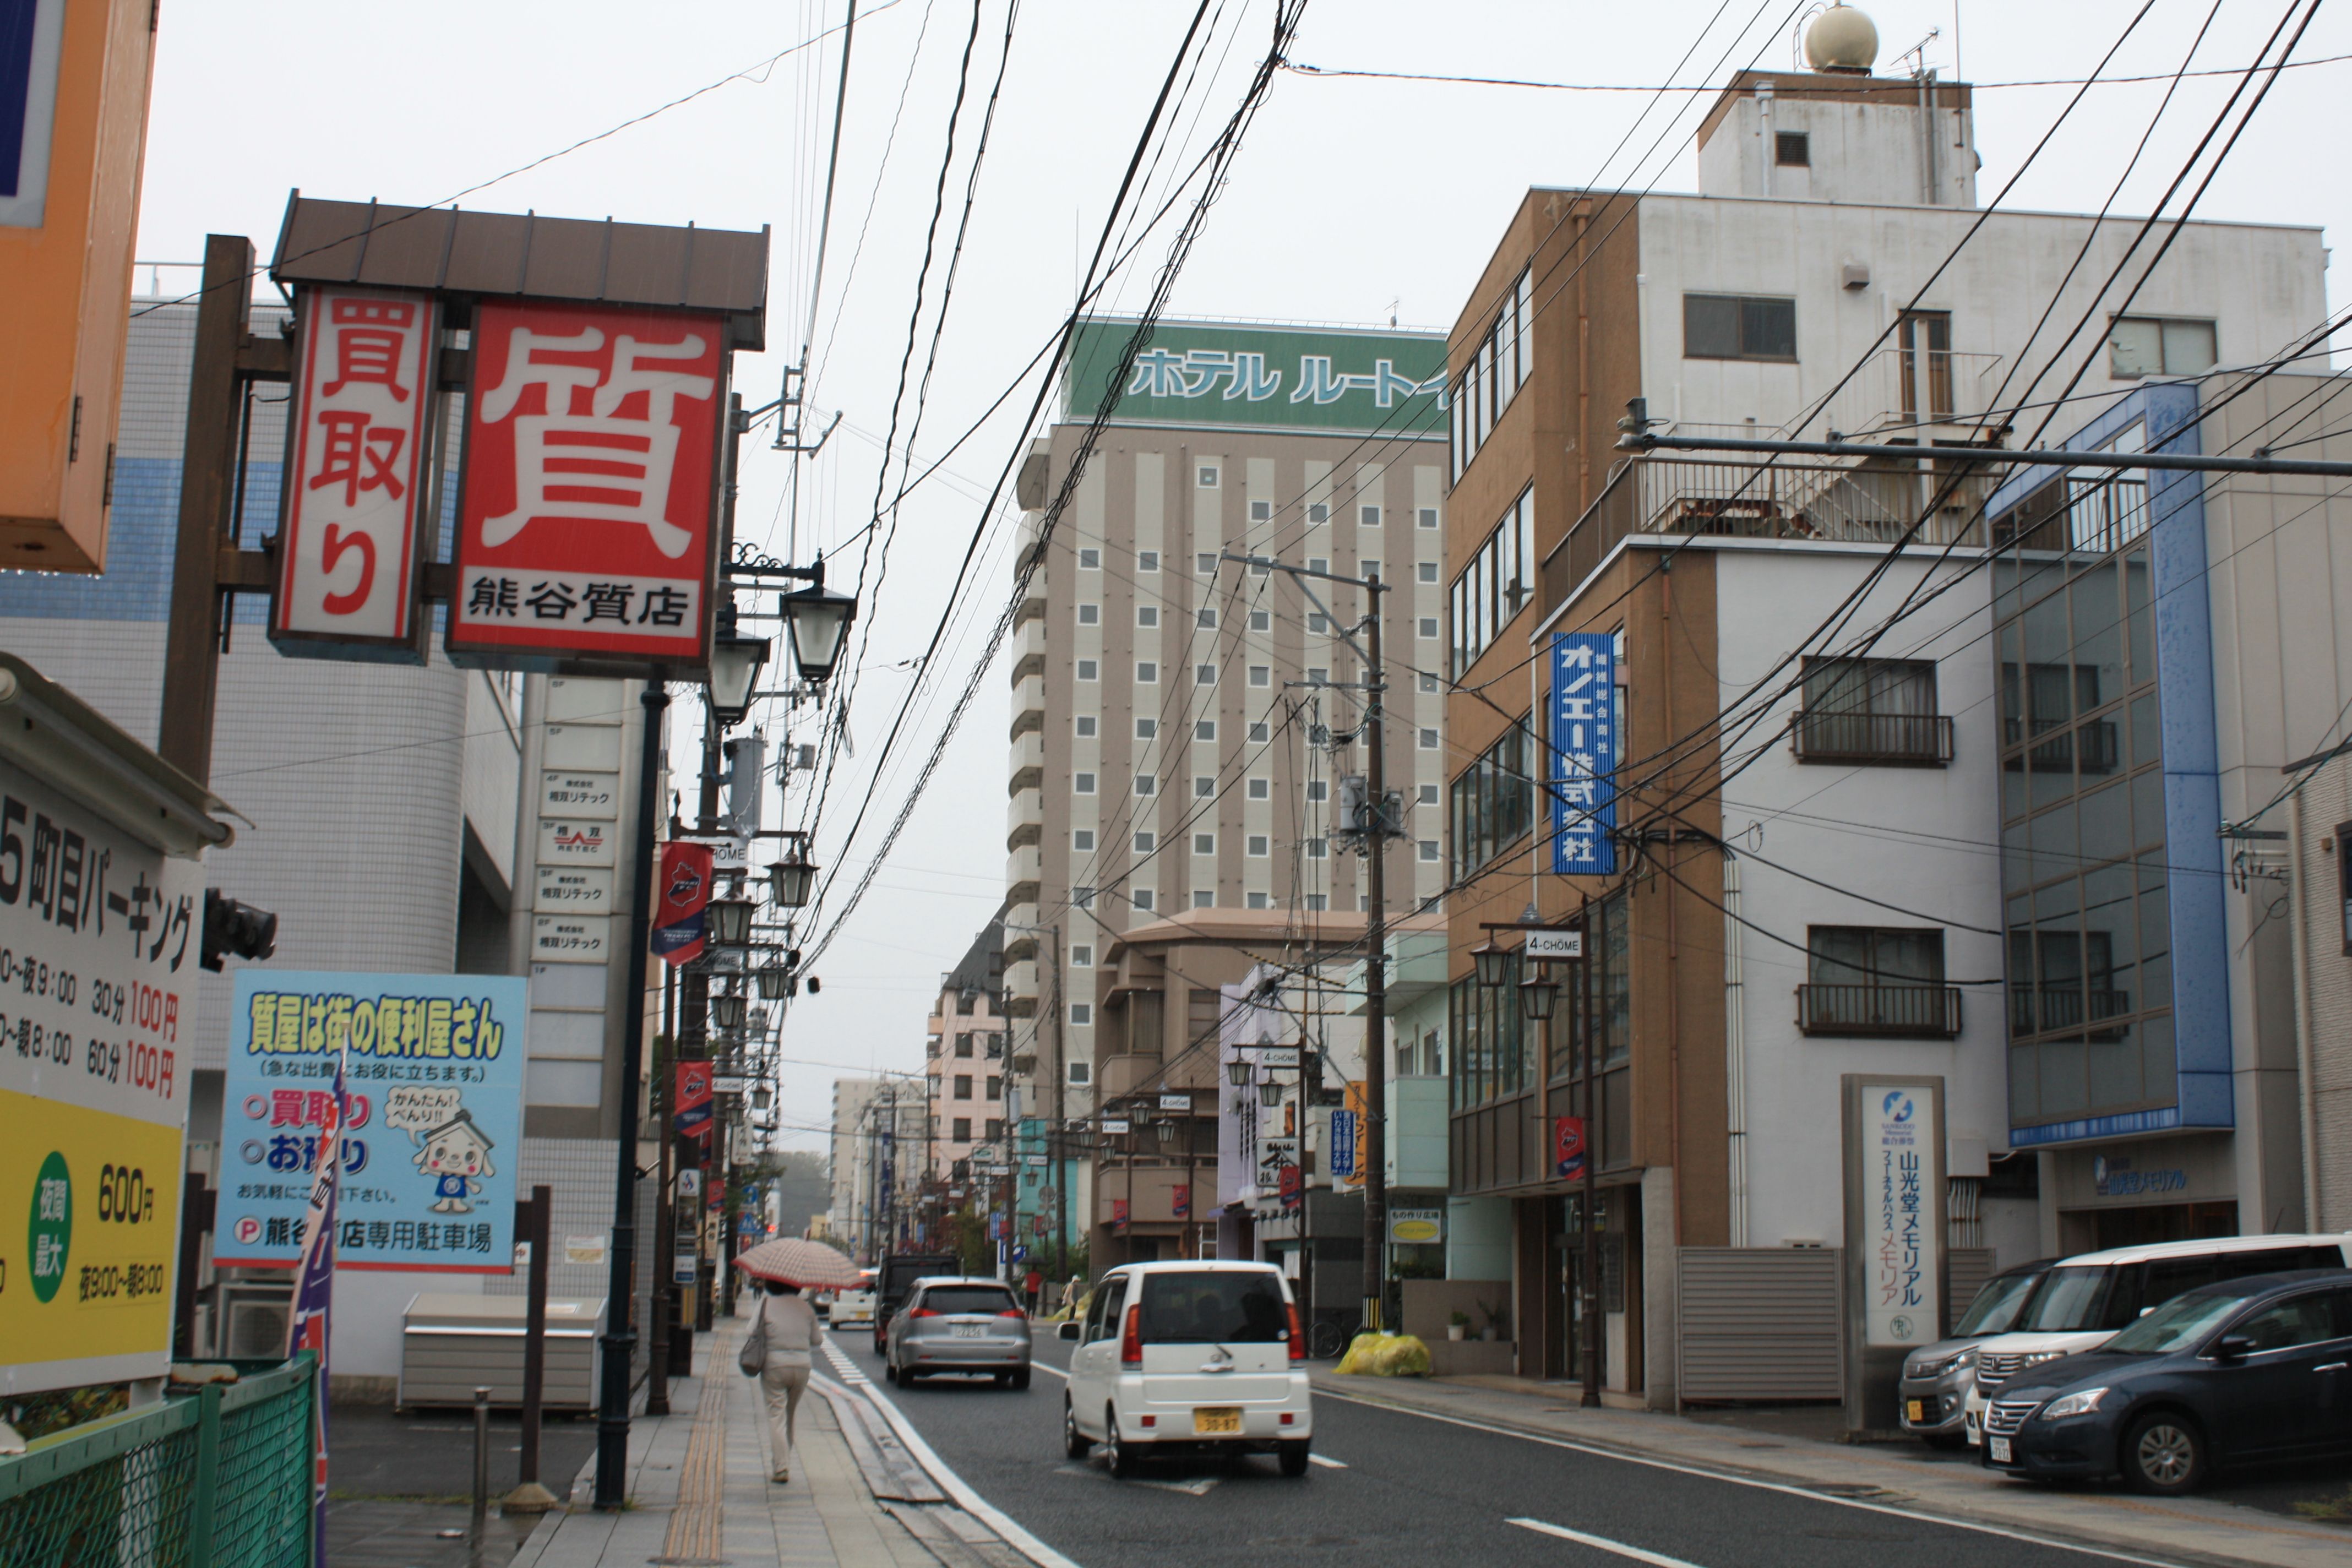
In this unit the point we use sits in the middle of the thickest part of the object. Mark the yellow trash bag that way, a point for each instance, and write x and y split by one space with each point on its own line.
1384 1355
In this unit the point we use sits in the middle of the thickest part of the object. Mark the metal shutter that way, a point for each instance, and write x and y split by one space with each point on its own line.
1761 1322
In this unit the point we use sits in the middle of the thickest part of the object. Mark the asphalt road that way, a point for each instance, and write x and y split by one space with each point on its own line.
1394 1488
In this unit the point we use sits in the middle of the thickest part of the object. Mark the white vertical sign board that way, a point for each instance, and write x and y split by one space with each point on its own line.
1901 1214
352 511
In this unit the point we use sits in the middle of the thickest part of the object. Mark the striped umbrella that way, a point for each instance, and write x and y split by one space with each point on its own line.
811 1265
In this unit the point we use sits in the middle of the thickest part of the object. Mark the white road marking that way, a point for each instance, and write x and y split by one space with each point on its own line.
1058 1372
1326 1464
1919 1516
1602 1544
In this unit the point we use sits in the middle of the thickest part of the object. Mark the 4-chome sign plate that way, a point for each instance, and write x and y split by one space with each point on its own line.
1555 943
359 453
588 505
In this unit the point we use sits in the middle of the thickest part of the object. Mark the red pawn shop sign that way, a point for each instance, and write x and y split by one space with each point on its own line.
588 505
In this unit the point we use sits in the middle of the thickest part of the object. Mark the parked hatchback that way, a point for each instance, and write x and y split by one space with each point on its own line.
1192 1357
1936 1377
2244 1369
957 1325
2084 1300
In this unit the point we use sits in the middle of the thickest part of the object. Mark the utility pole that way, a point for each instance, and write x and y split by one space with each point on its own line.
1376 987
1589 1287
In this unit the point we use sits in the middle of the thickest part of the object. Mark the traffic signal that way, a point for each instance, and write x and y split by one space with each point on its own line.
235 931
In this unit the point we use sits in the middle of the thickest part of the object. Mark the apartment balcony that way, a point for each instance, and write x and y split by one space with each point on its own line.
1029 639
1021 978
1871 503
1917 394
1880 1012
1886 739
2093 748
1029 702
1024 868
1028 764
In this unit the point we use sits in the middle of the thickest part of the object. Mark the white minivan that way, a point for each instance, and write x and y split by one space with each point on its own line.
2085 1301
1189 1356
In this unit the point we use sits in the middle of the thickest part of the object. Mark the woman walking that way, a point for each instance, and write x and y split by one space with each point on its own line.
791 1326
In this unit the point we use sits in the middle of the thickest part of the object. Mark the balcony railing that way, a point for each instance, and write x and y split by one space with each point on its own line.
1899 390
2093 748
1665 494
1899 740
1921 1011
2041 1010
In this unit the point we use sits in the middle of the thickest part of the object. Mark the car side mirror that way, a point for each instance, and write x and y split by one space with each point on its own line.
1069 1331
2233 1347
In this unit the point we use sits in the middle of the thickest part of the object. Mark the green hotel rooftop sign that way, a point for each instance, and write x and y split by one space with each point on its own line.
1206 373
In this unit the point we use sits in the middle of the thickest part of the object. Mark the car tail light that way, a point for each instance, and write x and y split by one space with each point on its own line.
1130 1343
1012 1312
1298 1340
1150 1421
1289 1417
922 1312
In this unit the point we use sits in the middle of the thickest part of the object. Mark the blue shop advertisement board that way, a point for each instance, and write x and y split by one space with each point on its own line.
432 1123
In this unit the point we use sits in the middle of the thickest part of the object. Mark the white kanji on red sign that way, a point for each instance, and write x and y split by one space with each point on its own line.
362 400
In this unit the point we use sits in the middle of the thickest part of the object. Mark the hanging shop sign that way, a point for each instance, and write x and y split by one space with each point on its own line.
691 1104
431 1126
350 534
679 920
1568 1148
1416 1228
100 939
1583 726
588 505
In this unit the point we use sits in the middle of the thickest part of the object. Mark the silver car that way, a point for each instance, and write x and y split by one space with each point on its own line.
1936 1377
958 1326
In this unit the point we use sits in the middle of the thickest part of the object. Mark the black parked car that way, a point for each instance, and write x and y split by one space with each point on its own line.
2258 1368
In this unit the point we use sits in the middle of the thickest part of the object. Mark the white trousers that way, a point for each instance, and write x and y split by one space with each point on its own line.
782 1385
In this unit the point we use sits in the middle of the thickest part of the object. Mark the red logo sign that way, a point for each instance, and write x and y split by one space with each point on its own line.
1179 1201
678 931
364 398
1567 1147
590 485
1119 1216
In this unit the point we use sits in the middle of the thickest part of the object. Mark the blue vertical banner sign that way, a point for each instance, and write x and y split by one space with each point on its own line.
1583 704
425 1121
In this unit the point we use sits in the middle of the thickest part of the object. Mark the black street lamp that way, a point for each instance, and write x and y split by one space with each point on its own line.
726 1011
736 661
792 879
1237 1072
1537 993
817 619
730 921
1493 962
774 980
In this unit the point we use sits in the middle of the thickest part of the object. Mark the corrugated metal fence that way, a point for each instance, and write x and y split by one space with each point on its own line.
219 1478
1761 1322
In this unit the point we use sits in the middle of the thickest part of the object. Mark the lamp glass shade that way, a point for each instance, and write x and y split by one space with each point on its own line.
1237 1073
818 618
1165 1132
1269 1095
735 664
1537 995
760 1096
726 1011
772 978
1492 962
730 921
792 879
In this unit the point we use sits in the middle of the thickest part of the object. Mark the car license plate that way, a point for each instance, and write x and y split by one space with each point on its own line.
1915 1409
1222 1420
1998 1448
965 1331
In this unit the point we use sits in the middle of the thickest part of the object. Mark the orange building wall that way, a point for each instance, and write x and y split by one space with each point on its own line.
65 292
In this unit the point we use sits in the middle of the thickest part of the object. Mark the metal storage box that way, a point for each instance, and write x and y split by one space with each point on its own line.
452 1344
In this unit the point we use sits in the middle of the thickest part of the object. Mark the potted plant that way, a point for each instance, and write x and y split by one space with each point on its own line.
1458 1326
1498 1322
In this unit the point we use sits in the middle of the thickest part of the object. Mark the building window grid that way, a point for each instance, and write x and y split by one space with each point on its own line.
1499 366
1494 803
1497 584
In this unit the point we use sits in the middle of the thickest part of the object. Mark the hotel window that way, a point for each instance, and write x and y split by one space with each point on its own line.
1317 563
962 1125
1089 559
1203 786
1146 783
1319 789
1425 571
1081 1073
1427 627
1087 669
1146 561
1315 623
1497 584
1204 675
1145 729
1082 841
963 1046
1429 739
1204 898
1082 955
1498 367
1206 619
1089 614
1494 802
1259 901
1428 795
1738 326
1316 848
1085 723
1261 511
1426 517
1083 897
1207 476
1082 783
1428 684
1147 672
1260 789
1204 728
1145 843
1367 517
1081 1015
963 1086
1260 731
1317 511
1205 562
1368 566
1142 898
2149 345
1316 903
1147 615
1204 844
1318 675
1261 675
1261 620
1429 848
1256 846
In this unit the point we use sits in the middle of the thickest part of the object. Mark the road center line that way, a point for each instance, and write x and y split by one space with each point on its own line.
1327 1462
1602 1544
1046 1366
1729 1477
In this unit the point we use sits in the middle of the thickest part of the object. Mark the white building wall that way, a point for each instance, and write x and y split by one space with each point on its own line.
1922 838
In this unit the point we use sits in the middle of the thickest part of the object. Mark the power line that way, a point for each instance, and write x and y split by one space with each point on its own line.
1820 89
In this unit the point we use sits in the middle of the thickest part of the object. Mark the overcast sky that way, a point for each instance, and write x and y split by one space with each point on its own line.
1354 200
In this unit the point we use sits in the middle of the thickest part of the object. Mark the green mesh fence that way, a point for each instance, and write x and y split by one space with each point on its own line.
217 1480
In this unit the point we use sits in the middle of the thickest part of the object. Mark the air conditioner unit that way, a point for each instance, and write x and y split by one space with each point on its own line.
254 1327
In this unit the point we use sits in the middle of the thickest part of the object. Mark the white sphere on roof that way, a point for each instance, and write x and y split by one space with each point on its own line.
1842 39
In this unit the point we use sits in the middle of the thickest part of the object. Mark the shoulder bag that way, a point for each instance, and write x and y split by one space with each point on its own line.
754 1359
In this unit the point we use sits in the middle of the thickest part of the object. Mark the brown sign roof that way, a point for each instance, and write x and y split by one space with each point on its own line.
477 255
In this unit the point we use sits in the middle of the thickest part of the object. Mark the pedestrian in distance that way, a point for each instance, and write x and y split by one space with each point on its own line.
786 1332
1033 1286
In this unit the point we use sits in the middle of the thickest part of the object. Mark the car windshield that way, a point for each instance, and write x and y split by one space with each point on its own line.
1996 1306
2179 1322
2069 1300
1214 1307
948 1299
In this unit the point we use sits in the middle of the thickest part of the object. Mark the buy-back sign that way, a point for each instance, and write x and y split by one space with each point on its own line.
586 513
350 534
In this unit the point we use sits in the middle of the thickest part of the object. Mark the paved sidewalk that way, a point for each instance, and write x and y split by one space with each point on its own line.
2191 1529
699 1493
